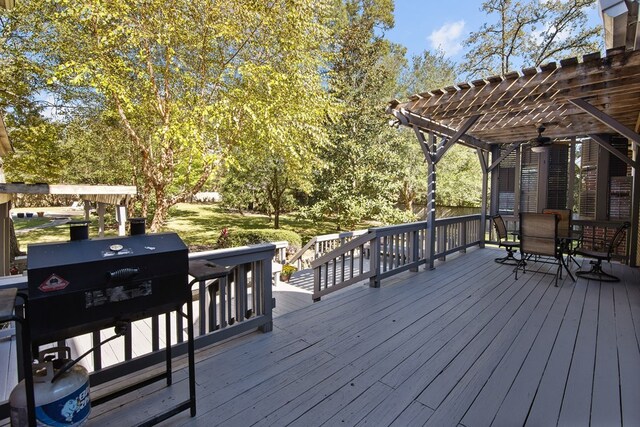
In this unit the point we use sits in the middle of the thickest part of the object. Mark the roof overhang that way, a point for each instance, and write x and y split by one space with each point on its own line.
511 107
620 22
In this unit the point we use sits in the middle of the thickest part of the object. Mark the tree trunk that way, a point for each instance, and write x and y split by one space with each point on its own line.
160 215
14 248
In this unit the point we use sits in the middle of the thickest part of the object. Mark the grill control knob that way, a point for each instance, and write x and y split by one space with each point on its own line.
116 248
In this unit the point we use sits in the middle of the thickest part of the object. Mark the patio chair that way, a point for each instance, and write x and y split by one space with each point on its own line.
602 253
504 242
564 220
568 238
539 237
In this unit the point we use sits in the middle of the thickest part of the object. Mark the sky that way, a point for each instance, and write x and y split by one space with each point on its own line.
429 24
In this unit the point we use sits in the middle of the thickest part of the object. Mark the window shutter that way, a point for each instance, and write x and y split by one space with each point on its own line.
620 182
588 179
558 180
529 182
506 183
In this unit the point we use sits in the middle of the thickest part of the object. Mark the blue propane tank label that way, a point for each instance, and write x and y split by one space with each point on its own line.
71 410
68 411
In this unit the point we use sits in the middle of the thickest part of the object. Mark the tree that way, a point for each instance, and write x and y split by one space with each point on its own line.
528 33
175 74
427 71
358 178
459 178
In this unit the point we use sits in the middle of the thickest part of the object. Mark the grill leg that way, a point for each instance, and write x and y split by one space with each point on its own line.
192 360
27 361
167 318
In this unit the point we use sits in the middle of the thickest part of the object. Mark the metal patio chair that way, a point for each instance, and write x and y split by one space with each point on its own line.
602 253
564 220
568 237
504 242
539 237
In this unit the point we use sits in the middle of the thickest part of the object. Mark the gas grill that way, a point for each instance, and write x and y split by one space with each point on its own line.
83 286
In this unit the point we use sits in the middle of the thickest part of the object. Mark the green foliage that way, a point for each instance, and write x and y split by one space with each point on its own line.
427 71
459 181
357 180
527 34
189 82
38 156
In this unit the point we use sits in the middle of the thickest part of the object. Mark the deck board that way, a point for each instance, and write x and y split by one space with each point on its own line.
605 408
547 401
629 356
462 345
576 406
535 347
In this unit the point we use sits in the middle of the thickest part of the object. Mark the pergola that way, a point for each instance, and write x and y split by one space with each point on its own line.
591 96
102 195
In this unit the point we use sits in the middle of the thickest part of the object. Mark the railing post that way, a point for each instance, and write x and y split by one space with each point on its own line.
316 281
374 263
431 245
462 236
442 242
414 244
267 299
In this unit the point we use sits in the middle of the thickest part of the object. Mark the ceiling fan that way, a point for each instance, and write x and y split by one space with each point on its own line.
541 143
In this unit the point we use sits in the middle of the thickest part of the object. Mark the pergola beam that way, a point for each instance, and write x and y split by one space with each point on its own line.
507 151
514 105
610 148
110 194
606 119
459 134
19 188
406 118
426 150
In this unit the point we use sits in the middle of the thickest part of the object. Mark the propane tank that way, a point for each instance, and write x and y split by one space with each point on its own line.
62 402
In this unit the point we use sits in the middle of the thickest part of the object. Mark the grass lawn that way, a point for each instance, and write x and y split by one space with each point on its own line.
197 224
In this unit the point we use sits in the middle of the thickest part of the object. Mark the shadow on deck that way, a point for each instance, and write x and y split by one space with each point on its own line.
464 344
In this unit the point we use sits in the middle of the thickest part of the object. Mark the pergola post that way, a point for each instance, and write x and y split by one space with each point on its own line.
121 215
572 174
433 154
429 150
5 245
100 209
485 189
493 206
634 257
431 202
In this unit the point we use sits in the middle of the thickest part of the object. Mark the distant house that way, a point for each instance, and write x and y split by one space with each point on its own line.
207 196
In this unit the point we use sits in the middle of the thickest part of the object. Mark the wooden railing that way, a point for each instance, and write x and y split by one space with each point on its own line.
343 266
321 245
456 234
232 304
386 251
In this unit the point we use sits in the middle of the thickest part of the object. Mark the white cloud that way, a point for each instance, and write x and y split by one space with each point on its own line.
448 38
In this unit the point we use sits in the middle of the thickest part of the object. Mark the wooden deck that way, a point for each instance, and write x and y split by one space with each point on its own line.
464 344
